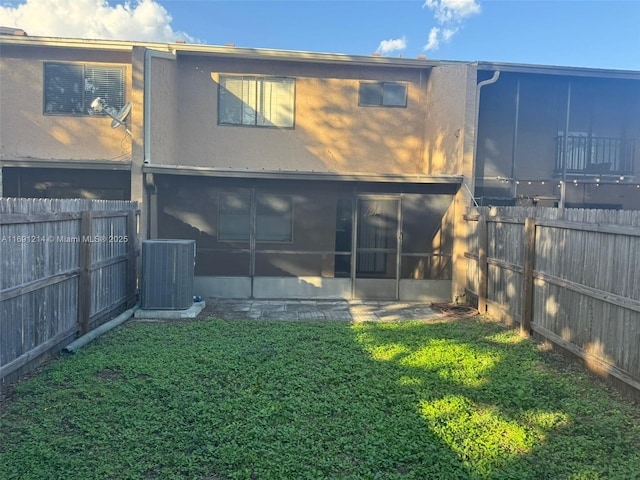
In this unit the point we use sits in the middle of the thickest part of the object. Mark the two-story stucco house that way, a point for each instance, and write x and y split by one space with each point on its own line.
310 175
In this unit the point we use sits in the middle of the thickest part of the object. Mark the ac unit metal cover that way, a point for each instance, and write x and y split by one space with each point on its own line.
167 274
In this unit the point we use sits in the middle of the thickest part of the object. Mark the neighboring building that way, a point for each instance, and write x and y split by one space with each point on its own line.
301 174
51 146
521 144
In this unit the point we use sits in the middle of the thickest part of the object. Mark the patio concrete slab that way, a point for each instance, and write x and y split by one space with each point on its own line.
189 313
323 310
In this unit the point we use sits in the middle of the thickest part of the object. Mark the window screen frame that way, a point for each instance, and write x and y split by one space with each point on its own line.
382 85
114 96
257 92
246 196
284 197
254 214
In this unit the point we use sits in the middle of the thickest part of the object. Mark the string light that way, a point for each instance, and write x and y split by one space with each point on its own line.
621 180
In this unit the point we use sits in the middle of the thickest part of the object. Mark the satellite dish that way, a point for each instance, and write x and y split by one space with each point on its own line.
121 115
118 116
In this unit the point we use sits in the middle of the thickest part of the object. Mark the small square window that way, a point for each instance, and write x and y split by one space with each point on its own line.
383 94
371 94
394 95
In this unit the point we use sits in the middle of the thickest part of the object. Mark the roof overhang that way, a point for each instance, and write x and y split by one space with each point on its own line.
218 51
79 164
299 56
26 41
302 175
558 70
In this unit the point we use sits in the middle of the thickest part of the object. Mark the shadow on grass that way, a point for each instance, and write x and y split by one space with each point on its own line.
314 400
501 406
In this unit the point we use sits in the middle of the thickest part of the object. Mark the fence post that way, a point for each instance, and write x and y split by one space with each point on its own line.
483 246
84 281
527 275
132 236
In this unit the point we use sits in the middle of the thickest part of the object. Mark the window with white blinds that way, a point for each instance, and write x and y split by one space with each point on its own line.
256 101
70 88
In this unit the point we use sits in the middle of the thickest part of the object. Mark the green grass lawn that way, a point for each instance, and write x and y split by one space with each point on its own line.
253 399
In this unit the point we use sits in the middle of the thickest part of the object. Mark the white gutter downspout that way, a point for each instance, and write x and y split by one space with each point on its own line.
148 54
489 81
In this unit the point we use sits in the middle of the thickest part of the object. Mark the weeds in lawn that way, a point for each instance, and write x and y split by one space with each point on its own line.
249 399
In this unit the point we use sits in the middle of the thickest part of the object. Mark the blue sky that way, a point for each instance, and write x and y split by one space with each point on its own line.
599 33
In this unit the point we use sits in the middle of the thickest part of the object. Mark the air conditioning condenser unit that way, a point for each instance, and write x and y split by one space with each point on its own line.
167 274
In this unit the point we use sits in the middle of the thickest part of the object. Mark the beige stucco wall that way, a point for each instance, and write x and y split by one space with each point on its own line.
25 132
447 105
165 129
332 133
449 144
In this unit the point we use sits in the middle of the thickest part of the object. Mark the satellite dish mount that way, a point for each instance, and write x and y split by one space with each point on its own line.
118 116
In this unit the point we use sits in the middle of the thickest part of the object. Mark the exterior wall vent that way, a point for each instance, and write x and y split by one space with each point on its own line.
167 274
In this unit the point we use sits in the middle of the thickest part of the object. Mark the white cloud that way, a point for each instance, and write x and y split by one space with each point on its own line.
447 33
449 13
142 20
452 10
434 40
392 45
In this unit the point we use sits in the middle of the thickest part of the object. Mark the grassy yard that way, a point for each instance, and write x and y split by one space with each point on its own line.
251 399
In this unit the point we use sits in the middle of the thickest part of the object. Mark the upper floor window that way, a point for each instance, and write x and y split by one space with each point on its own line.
70 88
256 101
383 94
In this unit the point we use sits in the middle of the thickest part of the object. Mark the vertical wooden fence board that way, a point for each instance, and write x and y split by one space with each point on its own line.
527 275
85 291
483 246
11 330
131 234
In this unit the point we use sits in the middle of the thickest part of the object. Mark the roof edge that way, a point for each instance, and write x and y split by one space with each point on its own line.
558 70
302 175
216 50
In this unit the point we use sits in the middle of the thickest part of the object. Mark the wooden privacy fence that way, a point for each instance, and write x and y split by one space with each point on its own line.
572 277
66 267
